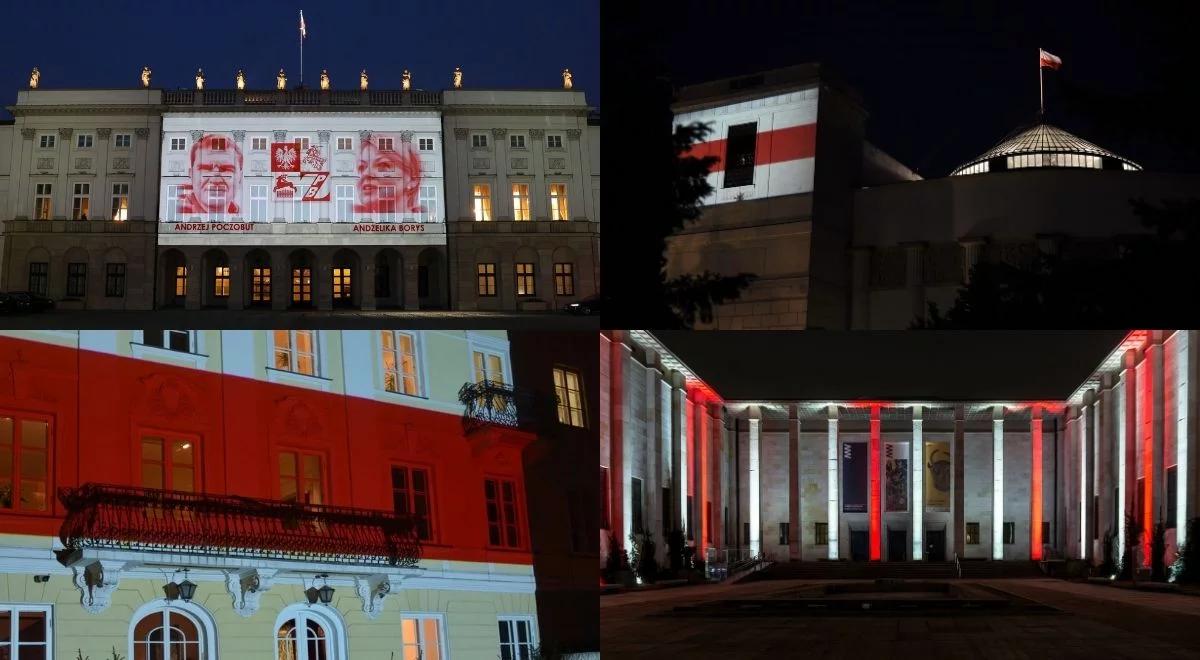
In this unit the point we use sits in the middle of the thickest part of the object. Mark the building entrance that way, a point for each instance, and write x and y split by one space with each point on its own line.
859 542
935 545
897 542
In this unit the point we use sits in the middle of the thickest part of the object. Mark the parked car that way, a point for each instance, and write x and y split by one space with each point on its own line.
8 304
31 302
586 307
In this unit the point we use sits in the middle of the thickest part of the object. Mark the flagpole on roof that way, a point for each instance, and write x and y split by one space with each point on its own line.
1041 89
301 47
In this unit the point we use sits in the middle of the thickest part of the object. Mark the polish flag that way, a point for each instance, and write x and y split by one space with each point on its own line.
303 31
1048 61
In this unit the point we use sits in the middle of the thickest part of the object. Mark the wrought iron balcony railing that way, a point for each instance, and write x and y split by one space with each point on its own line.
129 518
488 402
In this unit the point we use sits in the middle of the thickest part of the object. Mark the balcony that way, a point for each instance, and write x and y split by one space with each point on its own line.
490 404
143 519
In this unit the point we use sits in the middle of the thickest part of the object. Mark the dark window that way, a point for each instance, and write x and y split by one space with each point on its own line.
114 280
1171 485
739 155
821 532
688 516
422 281
604 503
501 496
725 526
745 533
972 533
1010 533
410 496
77 279
708 522
635 489
1139 514
1046 533
176 340
383 280
1095 517
783 533
38 275
666 512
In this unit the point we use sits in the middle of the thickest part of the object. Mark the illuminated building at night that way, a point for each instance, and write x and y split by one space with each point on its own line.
901 480
841 235
264 494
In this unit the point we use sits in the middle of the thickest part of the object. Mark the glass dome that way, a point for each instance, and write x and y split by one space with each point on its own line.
1044 145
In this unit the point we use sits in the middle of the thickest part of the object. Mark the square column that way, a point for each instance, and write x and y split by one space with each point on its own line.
1185 361
1127 446
874 483
1084 434
674 415
755 532
701 497
794 546
918 489
616 416
1035 488
833 521
959 492
1156 469
998 482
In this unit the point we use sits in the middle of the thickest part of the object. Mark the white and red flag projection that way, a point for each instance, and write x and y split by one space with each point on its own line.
1048 61
214 186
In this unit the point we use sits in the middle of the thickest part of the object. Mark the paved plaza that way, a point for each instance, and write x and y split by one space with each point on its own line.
1056 619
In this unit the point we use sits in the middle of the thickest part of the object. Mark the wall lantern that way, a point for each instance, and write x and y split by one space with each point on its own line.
325 592
187 589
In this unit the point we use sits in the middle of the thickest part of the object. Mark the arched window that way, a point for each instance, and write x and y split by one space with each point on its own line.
304 633
167 633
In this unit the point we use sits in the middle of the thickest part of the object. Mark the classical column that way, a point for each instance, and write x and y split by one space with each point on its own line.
503 209
794 545
103 188
680 454
997 482
918 489
323 280
1035 489
1084 434
618 470
700 499
1185 434
833 523
575 202
62 201
1103 470
874 483
463 159
1156 503
538 204
716 423
1127 444
753 485
960 528
915 277
971 248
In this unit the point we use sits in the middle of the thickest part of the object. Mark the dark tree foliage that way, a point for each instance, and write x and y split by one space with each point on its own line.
1144 284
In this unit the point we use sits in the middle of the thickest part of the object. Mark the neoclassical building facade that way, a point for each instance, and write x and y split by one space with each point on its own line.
896 480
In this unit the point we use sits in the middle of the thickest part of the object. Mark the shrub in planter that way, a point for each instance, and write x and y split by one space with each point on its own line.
676 547
1158 548
1187 562
617 561
1133 536
645 566
1109 564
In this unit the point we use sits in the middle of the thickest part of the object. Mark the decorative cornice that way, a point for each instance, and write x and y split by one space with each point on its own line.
574 133
103 133
28 133
247 586
499 132
239 136
537 133
96 581
142 133
461 133
32 110
65 132
279 136
373 590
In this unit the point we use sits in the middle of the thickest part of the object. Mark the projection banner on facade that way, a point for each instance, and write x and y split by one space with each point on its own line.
854 477
937 476
895 489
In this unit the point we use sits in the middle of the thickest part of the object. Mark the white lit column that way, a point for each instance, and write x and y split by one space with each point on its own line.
684 446
1183 373
918 494
998 482
833 522
755 540
1082 435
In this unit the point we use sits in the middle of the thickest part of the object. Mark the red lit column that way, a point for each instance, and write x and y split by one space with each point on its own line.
875 483
1149 422
701 447
1035 501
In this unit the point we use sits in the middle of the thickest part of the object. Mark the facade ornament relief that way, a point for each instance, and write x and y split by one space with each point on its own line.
406 80
537 133
120 163
568 79
44 164
66 133
457 77
364 135
323 137
197 136
28 133
239 136
573 133
103 133
279 136
247 587
35 78
461 133
406 136
145 76
499 132
362 80
83 163
141 132
96 582
373 590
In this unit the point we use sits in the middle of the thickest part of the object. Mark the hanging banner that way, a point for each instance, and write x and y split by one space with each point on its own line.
895 488
854 477
937 476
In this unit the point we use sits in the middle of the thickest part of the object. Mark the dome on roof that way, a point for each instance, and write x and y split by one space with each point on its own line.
1043 145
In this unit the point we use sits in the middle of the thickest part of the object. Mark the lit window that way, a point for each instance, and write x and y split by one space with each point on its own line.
501 496
481 201
258 144
25 632
120 202
178 144
299 638
568 390
516 639
43 201
114 280
180 281
428 201
301 285
343 202
83 141
260 284
221 281
296 351
399 361
167 633
39 272
217 144
489 367
168 464
564 279
487 279
24 466
516 141
258 203
122 140
520 198
821 533
341 284
345 144
425 144
554 141
76 279
479 141
300 477
81 201
420 638
558 202
525 279
972 533
46 142
410 497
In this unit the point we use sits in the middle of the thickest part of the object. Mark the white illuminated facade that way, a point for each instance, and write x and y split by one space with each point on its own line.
1012 481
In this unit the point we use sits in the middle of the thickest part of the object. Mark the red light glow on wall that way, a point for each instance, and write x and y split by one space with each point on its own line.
874 485
1035 505
1147 419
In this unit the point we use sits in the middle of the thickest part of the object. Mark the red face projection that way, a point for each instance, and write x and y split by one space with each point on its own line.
389 175
216 177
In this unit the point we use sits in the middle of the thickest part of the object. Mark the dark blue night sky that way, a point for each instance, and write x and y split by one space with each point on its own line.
106 44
